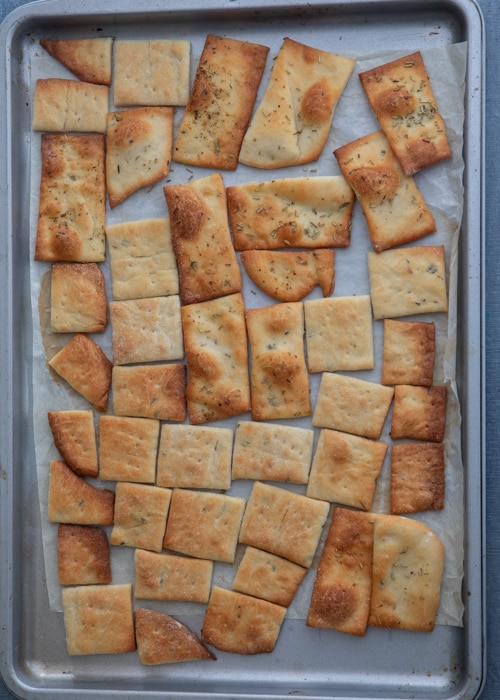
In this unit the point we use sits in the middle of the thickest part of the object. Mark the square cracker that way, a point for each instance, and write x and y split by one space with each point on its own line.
241 624
206 260
74 437
272 452
306 212
72 202
171 577
221 102
195 457
88 59
419 413
268 576
394 208
142 259
78 302
146 330
82 555
215 340
150 391
408 281
283 523
339 333
352 405
408 560
292 122
409 352
127 448
99 619
139 150
341 593
73 500
280 381
85 367
403 100
345 469
204 525
140 516
163 640
151 72
70 105
417 477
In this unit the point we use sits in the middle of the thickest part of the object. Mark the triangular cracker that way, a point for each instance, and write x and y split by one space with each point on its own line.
88 59
75 439
72 500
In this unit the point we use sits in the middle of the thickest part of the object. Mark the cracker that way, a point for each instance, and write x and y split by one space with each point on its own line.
204 525
127 448
72 500
139 150
85 367
215 340
142 259
292 122
342 588
419 413
272 452
345 469
408 559
394 208
163 640
305 212
283 523
172 577
195 457
82 555
140 516
352 405
74 437
207 264
241 624
290 275
279 377
339 334
417 477
267 576
221 102
409 352
151 72
150 391
99 619
88 59
403 100
146 330
72 201
78 302
408 281
69 105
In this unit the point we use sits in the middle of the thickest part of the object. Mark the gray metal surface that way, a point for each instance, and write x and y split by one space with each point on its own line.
33 659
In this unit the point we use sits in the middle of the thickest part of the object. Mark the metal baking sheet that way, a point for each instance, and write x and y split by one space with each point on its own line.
385 664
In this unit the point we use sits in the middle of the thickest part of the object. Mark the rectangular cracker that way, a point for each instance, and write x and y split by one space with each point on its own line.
127 448
418 479
221 102
72 201
272 452
306 212
88 59
419 413
280 381
409 352
75 439
352 405
408 281
73 500
70 106
207 264
150 391
140 516
215 341
342 588
394 208
171 577
78 301
82 555
401 95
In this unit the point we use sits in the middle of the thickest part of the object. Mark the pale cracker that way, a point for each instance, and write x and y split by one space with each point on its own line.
171 577
78 301
70 106
140 516
150 391
409 352
73 500
417 477
127 448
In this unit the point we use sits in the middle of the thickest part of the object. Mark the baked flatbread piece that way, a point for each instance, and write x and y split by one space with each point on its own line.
139 150
82 555
127 448
70 105
221 102
417 477
72 202
419 413
78 301
291 124
73 500
150 391
140 516
75 439
88 59
403 100
171 577
409 352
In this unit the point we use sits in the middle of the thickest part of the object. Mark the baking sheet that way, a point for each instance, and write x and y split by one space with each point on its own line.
270 29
